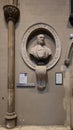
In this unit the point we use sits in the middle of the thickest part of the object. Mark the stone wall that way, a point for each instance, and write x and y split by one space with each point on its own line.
32 107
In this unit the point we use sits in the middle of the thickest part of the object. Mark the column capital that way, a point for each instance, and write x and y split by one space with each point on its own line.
11 12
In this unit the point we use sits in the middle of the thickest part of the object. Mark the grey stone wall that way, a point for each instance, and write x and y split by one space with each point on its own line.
33 107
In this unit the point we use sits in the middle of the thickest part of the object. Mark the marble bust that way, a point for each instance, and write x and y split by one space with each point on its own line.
40 52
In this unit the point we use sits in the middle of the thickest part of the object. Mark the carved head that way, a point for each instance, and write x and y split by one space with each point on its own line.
41 39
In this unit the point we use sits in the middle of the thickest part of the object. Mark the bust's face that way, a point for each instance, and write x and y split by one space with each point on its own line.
40 39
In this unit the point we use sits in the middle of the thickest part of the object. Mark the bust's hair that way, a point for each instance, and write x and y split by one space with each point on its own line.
40 35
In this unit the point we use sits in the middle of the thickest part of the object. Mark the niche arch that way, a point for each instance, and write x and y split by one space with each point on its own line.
30 33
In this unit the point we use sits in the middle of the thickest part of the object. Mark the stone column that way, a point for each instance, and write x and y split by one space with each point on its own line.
11 14
12 2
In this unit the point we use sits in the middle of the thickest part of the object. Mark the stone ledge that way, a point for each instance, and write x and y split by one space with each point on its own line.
38 128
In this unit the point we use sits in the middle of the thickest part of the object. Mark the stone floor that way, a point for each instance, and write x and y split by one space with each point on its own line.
38 128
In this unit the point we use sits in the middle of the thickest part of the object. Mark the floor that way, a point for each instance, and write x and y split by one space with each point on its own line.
38 128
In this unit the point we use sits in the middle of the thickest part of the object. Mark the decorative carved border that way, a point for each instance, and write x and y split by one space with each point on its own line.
52 32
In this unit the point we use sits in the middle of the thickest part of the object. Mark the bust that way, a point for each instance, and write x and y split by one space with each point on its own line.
40 52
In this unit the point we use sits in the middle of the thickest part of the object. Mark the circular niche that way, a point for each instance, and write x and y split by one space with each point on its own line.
30 40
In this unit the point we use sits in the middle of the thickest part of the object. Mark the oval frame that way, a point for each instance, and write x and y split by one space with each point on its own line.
26 35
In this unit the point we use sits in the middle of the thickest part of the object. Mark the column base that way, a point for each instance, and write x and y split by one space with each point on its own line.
10 120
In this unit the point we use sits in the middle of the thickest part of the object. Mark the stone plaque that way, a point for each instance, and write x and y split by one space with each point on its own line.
23 78
59 78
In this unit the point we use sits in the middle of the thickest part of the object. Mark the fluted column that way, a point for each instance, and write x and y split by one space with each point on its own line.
11 13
